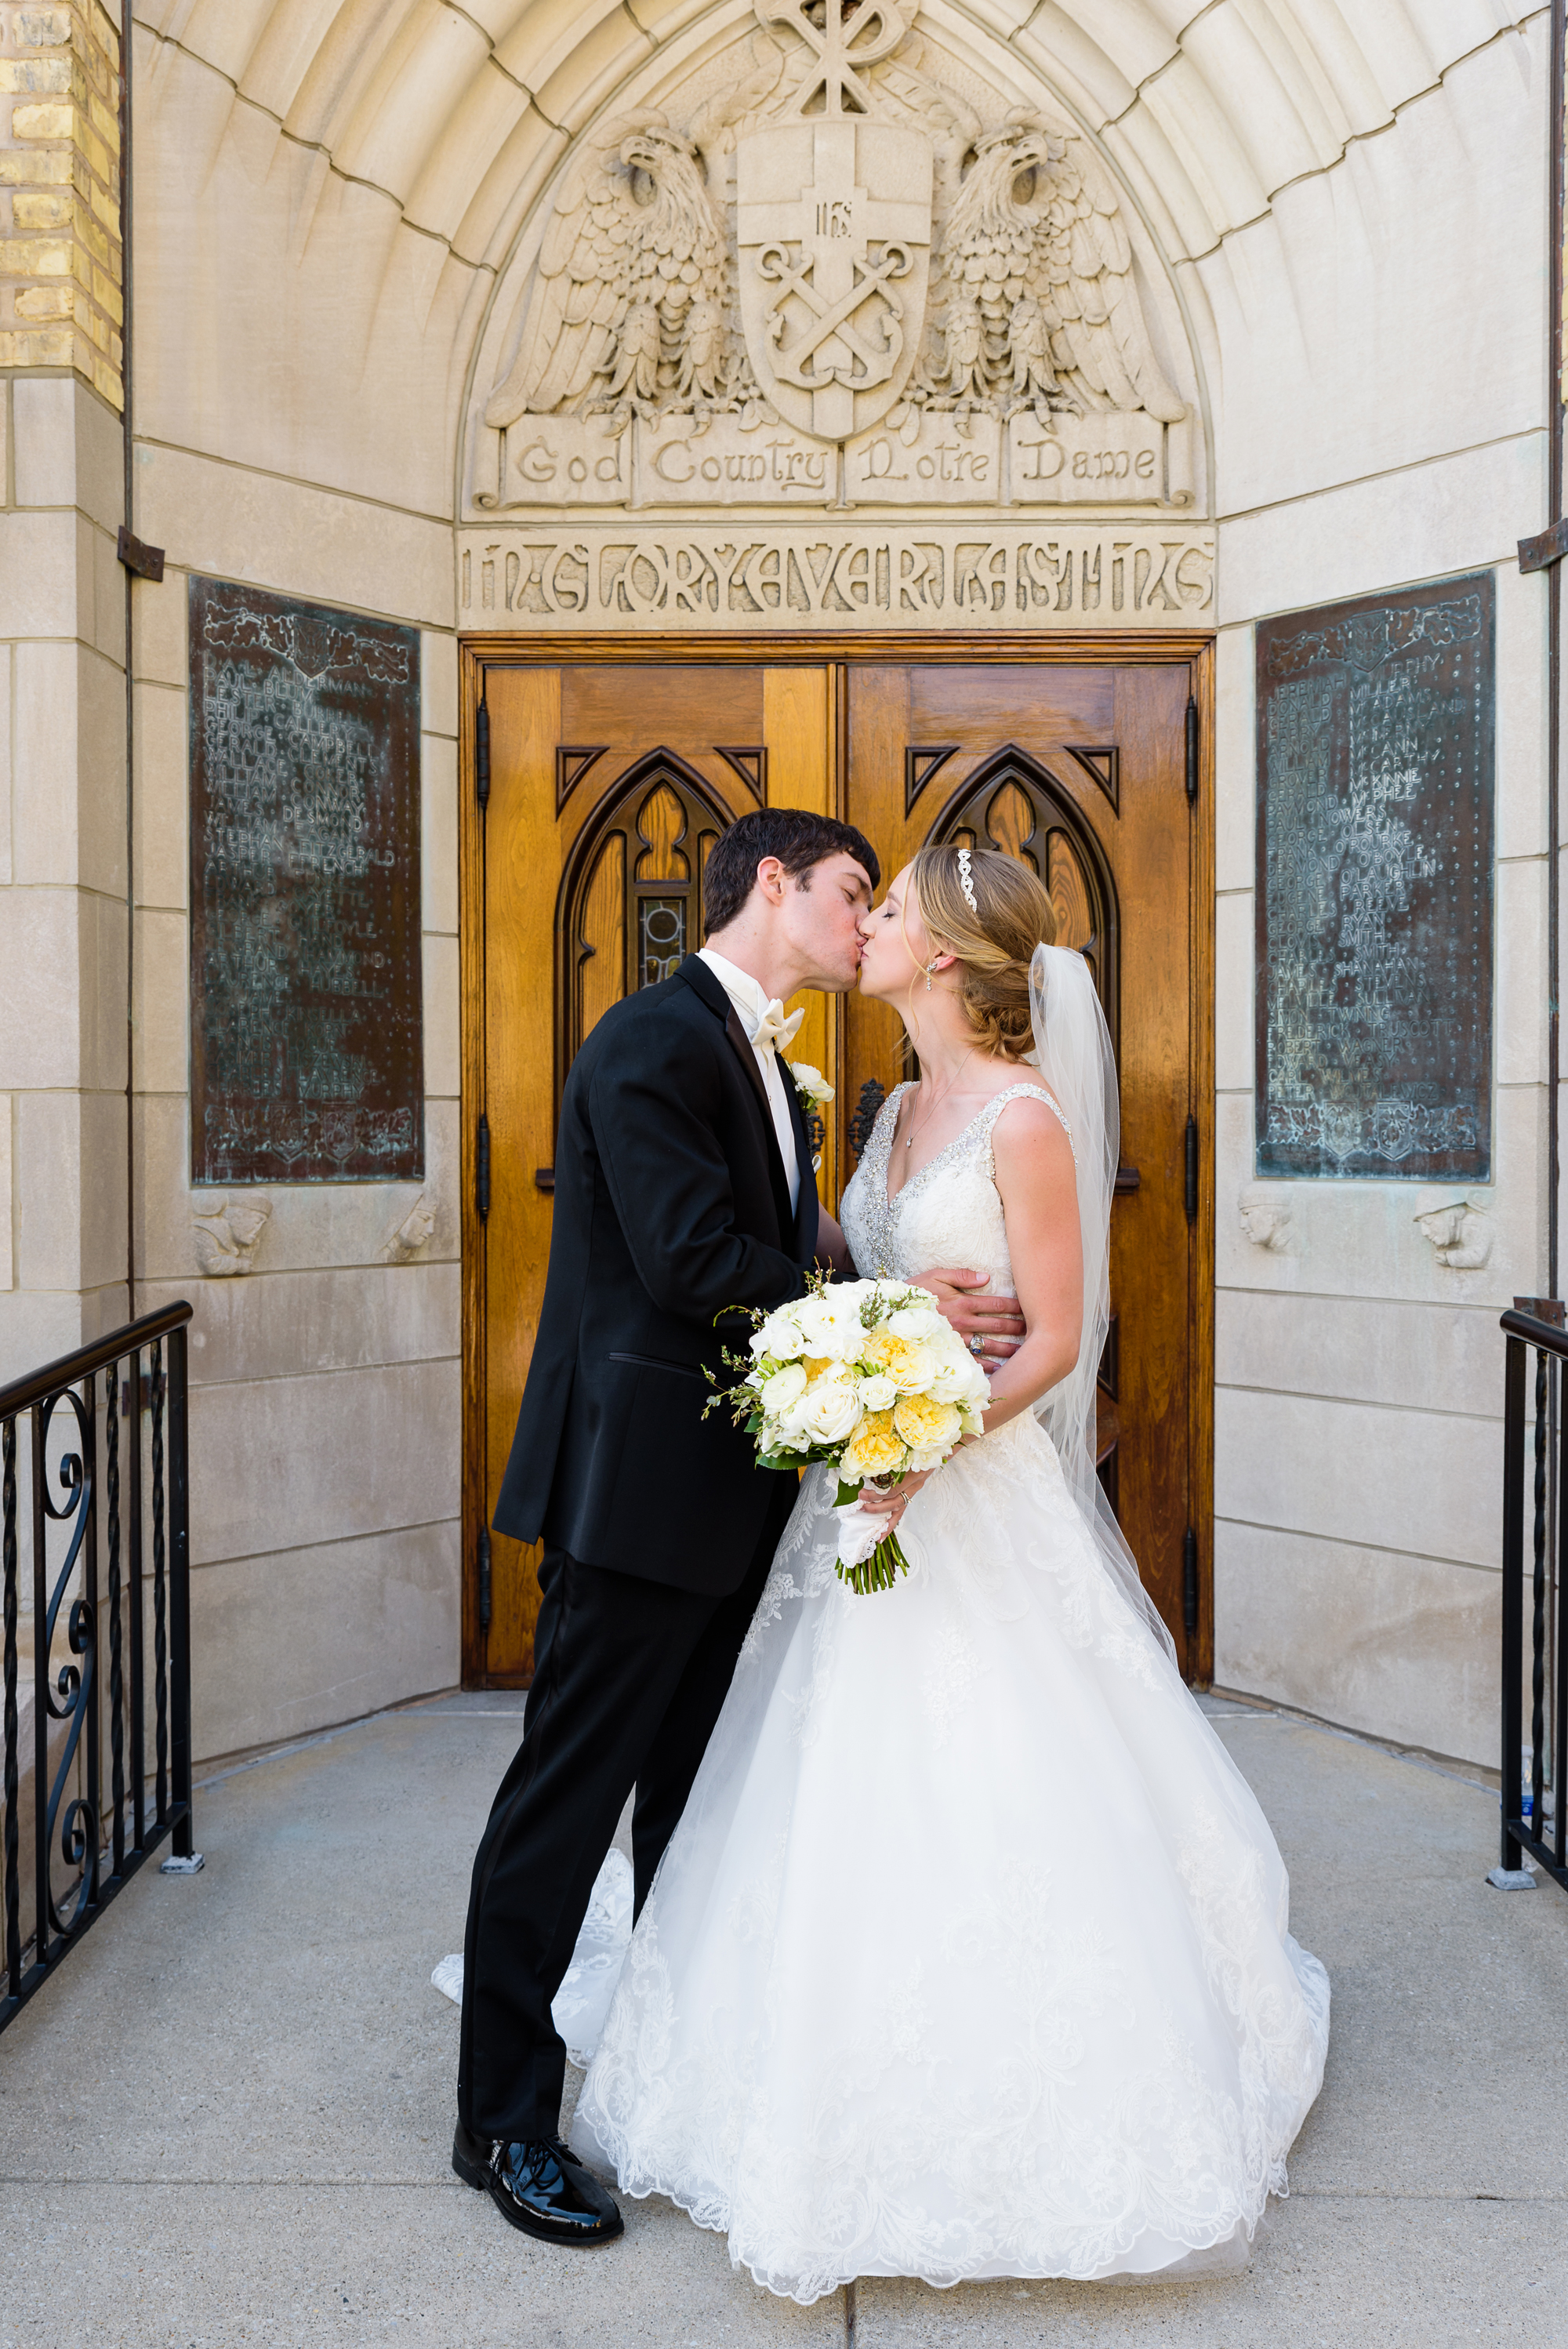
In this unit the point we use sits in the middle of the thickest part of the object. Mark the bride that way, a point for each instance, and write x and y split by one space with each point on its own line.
969 1956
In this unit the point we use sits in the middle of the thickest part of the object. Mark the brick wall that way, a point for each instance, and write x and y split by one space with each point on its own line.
61 257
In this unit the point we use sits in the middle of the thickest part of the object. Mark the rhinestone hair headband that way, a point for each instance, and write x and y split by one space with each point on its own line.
966 882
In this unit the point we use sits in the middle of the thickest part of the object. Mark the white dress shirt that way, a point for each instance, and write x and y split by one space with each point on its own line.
752 1004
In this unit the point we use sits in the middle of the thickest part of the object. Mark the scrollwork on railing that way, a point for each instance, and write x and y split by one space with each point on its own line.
74 1685
83 1849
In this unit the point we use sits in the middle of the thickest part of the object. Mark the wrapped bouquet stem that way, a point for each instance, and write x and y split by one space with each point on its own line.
866 1376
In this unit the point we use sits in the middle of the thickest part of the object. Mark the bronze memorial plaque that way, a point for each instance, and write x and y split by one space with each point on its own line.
1375 886
306 1045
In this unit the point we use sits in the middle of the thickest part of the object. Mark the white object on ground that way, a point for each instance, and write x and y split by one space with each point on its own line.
584 1999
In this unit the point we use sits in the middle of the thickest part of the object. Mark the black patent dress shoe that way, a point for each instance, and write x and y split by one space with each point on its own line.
540 2187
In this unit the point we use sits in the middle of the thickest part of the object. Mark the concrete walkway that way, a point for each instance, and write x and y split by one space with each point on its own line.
229 2119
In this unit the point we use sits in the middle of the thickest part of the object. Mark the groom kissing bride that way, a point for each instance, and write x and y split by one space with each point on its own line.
934 1972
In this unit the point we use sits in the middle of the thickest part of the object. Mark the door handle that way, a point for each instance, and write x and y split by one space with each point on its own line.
1127 1178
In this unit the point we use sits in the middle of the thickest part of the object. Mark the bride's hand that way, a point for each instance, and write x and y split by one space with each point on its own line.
994 1321
892 1501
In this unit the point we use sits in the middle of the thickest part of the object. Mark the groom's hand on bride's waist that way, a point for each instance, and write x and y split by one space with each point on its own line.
965 1301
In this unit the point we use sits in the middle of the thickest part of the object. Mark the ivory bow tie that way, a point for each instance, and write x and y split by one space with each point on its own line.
774 1029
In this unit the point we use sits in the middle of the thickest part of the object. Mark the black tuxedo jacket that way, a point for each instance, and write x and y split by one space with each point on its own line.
671 1203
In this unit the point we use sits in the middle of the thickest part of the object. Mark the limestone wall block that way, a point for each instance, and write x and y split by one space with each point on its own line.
472 132
279 1324
70 449
237 524
439 821
1423 1482
1235 759
383 1616
1398 1646
39 1325
1285 124
1433 1357
1146 160
663 19
101 955
1236 961
437 682
280 1463
1093 80
1519 1024
1217 165
70 795
7 800
592 71
418 87
69 1176
443 1023
162 1002
163 802
7 1252
544 37
509 189
158 611
1456 513
39 573
38 954
1521 742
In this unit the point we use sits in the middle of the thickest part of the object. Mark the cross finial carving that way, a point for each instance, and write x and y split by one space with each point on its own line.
842 51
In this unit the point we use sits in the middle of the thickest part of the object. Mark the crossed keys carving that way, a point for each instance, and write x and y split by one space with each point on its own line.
775 264
842 56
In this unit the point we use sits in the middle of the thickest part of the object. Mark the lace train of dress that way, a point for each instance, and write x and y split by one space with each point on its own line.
969 1956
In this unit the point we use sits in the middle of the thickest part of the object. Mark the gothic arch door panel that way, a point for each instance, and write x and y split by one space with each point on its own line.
607 784
1082 771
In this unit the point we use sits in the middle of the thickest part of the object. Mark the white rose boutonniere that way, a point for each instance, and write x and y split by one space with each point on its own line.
815 1091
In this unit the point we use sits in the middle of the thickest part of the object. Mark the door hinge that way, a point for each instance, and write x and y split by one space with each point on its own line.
1192 1168
481 1169
485 1577
1189 1582
481 756
1191 750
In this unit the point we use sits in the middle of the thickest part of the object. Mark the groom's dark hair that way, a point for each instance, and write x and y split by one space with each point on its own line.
795 837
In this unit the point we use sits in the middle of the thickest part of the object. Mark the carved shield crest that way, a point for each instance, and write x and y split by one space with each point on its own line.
833 230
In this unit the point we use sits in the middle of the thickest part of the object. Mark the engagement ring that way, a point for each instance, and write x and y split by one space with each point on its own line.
976 1345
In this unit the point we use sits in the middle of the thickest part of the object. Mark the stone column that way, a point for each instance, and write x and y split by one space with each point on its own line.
62 684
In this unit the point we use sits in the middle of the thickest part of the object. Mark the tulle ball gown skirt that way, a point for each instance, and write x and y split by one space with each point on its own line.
969 1957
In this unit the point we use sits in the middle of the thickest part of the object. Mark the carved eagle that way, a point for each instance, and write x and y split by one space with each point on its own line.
1041 306
627 304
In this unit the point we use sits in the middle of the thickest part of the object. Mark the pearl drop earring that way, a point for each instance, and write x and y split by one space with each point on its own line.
929 967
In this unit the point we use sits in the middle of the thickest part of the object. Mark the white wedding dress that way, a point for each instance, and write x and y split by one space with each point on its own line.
969 1956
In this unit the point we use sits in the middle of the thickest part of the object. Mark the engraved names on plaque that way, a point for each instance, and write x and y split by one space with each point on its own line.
306 1040
1374 723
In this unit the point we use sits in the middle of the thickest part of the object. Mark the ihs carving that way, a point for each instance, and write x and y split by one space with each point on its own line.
835 246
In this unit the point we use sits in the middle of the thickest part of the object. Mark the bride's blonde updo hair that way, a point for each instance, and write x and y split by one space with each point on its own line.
994 943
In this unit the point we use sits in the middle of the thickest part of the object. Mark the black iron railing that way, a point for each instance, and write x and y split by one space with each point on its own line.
93 1467
1531 1822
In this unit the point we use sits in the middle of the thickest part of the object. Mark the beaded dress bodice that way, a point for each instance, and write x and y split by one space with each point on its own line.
948 1213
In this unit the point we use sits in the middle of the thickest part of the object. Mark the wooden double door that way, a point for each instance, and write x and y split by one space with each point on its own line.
596 780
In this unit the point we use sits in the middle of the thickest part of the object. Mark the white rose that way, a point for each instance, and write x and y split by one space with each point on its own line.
830 1327
779 1336
828 1411
920 1322
878 1393
784 1388
811 1082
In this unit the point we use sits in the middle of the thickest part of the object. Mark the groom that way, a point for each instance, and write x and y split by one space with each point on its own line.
683 1184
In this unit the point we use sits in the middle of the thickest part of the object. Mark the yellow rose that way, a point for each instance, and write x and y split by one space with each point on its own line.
926 1425
873 1450
907 1364
815 1364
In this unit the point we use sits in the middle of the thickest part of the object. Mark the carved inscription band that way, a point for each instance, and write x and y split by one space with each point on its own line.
918 577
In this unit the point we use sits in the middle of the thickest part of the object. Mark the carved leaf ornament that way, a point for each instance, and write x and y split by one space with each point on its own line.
887 258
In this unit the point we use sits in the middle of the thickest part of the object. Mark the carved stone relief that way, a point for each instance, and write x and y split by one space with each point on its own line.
226 1233
834 270
1460 1235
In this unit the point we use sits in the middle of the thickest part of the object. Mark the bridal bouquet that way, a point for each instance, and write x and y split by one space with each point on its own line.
867 1376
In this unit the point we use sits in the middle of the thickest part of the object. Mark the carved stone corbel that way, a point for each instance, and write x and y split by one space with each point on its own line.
1461 1235
412 1235
226 1233
1266 1220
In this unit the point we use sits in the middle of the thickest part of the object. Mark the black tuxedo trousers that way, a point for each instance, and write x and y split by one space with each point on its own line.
630 1677
671 1204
